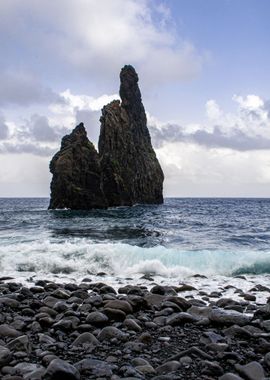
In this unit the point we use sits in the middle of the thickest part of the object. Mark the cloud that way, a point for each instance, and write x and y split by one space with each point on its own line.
80 102
4 131
250 102
246 129
213 110
195 170
39 129
36 136
26 147
41 134
22 89
98 37
226 155
24 175
91 123
81 108
237 140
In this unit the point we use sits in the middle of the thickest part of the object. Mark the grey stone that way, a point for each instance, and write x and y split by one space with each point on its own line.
6 301
251 371
228 317
5 356
168 367
96 318
211 337
115 314
163 290
138 362
110 332
121 305
48 358
230 376
50 301
95 367
8 331
130 324
267 359
266 325
59 369
37 374
145 369
211 368
181 318
25 368
19 344
86 339
185 360
46 339
135 346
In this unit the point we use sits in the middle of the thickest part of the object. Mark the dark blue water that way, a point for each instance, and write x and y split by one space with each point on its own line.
224 236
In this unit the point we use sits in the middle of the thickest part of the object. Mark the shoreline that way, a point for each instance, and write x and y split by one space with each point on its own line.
92 330
201 286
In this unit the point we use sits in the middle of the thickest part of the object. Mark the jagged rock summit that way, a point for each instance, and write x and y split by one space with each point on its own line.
124 172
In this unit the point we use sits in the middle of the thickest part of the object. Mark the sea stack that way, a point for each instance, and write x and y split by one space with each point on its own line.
76 181
124 172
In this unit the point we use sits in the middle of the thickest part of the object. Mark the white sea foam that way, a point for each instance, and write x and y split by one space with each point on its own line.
80 256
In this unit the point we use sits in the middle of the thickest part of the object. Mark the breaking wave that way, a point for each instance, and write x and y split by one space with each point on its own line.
80 257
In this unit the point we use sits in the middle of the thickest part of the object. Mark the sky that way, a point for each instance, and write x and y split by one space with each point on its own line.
204 76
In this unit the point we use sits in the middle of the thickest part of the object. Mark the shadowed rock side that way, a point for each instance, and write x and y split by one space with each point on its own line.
124 172
130 170
76 174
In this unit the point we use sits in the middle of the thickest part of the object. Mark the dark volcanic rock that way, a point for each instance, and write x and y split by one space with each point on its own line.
130 170
76 174
60 370
162 337
124 172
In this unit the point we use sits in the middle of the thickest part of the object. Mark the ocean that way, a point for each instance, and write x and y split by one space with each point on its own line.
217 238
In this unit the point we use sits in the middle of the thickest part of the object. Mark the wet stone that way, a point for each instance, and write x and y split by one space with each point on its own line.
228 317
5 356
230 376
8 331
168 367
251 371
86 339
61 370
110 332
96 367
20 343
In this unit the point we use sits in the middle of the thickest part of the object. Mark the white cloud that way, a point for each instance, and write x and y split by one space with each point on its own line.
41 134
227 155
85 102
195 170
98 37
251 102
213 110
24 175
80 108
248 128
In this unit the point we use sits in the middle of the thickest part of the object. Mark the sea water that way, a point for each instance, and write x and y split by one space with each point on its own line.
217 238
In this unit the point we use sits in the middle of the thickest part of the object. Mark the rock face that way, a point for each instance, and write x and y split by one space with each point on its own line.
76 182
124 172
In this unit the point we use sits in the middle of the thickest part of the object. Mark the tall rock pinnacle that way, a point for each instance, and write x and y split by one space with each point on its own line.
130 170
124 172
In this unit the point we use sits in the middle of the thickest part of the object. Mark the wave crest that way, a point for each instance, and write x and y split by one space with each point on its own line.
81 256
